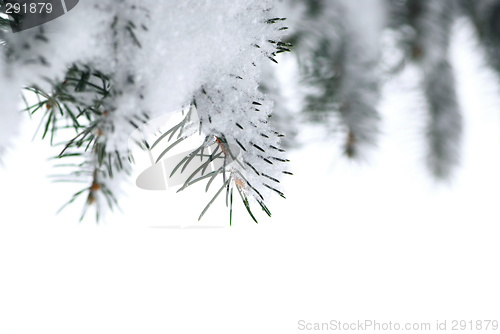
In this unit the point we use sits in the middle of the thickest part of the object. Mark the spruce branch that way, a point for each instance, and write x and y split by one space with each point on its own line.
107 86
83 99
213 108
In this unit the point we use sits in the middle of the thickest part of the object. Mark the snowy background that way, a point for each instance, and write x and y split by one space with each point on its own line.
378 240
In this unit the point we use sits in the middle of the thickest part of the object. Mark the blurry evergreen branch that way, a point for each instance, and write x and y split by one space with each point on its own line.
339 70
342 68
425 30
485 16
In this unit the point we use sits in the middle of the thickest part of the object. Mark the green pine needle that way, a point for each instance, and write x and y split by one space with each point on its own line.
213 199
247 205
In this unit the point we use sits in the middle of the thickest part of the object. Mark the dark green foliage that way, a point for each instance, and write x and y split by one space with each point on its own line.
424 28
485 16
82 102
339 71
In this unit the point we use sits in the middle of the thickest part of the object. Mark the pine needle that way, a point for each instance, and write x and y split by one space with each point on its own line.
213 199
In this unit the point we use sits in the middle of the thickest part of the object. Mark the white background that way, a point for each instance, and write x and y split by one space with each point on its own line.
376 241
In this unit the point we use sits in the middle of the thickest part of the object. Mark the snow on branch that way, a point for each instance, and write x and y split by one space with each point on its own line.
108 67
